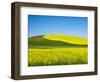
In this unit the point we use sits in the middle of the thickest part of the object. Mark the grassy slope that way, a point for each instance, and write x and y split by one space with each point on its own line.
56 41
67 39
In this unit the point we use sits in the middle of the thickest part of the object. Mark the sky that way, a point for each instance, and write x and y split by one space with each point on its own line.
73 26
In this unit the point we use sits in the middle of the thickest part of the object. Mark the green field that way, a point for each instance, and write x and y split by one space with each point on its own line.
57 49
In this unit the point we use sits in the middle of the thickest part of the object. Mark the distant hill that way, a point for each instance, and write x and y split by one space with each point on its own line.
56 40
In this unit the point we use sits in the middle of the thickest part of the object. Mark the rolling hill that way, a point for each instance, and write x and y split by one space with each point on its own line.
56 40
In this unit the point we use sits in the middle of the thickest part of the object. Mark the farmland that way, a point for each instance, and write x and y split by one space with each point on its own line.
57 49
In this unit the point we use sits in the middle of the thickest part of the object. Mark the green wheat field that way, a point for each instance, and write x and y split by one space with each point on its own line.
57 49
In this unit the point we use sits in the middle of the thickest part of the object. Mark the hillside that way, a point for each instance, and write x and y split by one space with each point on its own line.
56 40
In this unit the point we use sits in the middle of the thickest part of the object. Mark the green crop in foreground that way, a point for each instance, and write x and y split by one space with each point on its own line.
57 56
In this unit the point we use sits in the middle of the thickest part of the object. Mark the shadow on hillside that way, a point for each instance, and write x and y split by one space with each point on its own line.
40 42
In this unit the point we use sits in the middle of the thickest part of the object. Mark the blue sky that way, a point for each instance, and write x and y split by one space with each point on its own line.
41 25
